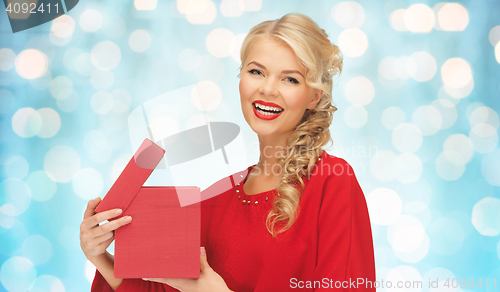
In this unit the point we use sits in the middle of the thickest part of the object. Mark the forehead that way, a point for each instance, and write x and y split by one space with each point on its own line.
273 53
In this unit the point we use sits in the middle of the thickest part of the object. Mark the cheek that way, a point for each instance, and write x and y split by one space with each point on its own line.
298 102
245 89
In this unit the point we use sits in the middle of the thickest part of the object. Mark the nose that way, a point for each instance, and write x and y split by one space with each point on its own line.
268 88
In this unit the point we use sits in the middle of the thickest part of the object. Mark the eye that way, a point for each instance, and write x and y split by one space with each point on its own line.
255 71
292 80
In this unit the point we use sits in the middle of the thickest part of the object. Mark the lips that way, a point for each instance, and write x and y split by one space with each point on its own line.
266 110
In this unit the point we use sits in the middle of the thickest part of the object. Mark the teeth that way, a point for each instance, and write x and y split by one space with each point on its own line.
269 108
266 113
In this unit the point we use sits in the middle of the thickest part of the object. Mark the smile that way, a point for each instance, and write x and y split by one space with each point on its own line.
266 110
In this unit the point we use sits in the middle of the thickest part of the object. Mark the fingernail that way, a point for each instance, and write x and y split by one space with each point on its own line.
127 219
145 279
202 250
118 211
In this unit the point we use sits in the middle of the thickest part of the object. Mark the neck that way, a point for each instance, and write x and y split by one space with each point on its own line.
270 149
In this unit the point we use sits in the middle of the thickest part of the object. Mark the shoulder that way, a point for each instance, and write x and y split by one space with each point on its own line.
334 178
332 167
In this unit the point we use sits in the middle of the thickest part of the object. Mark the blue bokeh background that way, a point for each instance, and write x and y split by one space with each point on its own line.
417 117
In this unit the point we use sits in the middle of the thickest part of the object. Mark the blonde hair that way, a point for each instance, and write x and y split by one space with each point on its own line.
322 60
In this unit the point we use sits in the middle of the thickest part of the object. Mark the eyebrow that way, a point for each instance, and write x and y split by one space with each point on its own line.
284 71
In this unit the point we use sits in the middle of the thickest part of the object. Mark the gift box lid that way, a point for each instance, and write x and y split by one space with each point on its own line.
130 181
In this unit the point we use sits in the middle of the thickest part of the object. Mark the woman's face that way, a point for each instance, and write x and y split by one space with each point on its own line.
274 94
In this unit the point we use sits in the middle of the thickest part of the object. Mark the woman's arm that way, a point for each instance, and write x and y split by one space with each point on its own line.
95 239
105 264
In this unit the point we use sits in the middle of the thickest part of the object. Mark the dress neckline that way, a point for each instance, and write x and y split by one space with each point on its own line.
268 192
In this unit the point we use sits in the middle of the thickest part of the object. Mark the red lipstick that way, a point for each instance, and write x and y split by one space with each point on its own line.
264 116
267 103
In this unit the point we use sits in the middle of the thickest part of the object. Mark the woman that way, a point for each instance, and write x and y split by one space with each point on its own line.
299 219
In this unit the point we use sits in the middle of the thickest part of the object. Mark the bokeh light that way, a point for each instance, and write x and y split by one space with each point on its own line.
384 206
407 168
458 149
355 116
7 59
419 18
483 115
88 183
106 55
17 274
16 193
421 66
139 41
102 102
353 42
218 42
60 86
406 234
189 59
428 119
456 73
91 20
231 8
209 96
198 11
31 64
145 4
359 91
404 274
47 283
16 167
26 122
397 20
51 122
484 138
407 138
381 165
61 163
447 112
62 30
102 80
485 216
84 63
41 186
490 166
37 249
348 14
447 167
393 117
453 17
494 35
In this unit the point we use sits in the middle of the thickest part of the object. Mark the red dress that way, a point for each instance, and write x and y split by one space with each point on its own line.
329 247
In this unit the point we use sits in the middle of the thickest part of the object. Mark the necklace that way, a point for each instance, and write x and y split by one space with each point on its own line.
247 201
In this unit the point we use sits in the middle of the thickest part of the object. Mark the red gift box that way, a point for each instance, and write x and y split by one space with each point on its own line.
163 239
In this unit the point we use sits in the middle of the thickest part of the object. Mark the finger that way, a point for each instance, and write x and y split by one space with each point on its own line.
111 225
203 260
102 238
91 205
176 283
106 243
100 217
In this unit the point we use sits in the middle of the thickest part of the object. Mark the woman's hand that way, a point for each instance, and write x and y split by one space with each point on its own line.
95 239
209 280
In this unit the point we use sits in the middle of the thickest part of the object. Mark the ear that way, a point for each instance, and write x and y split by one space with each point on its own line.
317 96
